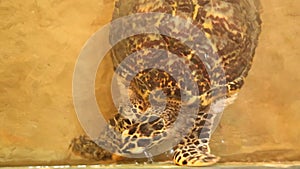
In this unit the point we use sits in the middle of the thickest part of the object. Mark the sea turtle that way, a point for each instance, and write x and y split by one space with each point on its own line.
225 46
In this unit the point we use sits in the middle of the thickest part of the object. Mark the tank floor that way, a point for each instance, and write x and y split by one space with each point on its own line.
294 165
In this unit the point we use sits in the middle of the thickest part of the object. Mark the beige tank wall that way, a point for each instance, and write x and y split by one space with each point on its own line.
40 42
264 121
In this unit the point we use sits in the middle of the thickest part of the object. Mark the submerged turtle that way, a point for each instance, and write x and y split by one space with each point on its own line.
219 60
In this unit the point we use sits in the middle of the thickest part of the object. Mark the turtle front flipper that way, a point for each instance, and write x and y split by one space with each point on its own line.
193 150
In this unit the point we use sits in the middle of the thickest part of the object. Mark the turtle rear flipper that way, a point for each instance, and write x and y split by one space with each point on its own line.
87 148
